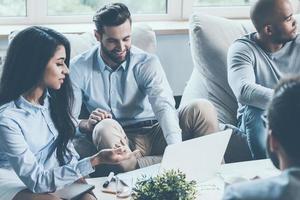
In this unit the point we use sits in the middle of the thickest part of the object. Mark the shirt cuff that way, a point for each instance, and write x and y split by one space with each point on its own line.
174 138
85 166
77 130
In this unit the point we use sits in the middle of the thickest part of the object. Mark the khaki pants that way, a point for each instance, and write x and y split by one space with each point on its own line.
196 119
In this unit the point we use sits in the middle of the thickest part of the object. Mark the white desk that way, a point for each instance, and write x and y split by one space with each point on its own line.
212 189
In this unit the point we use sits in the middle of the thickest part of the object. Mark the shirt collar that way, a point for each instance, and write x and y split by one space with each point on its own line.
33 108
100 62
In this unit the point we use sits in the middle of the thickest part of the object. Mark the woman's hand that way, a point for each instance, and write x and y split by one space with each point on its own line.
112 156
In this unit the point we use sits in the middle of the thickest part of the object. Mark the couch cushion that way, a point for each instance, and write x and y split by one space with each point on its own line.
142 36
210 38
80 42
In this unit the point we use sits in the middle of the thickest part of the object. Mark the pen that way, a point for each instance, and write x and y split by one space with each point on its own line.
110 176
121 181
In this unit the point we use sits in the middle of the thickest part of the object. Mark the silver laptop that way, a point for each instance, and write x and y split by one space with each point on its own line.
198 158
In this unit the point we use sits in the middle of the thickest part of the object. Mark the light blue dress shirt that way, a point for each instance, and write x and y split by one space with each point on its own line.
27 137
136 91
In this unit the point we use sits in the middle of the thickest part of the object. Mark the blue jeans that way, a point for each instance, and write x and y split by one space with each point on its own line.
251 124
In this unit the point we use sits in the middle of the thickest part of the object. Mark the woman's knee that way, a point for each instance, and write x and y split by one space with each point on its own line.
28 195
88 196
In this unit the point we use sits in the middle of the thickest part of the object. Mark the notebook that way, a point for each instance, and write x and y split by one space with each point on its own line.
73 191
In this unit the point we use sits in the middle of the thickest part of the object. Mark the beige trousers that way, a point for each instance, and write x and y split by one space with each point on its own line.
196 119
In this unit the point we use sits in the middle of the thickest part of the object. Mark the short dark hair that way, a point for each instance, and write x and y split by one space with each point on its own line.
27 57
261 13
112 14
284 115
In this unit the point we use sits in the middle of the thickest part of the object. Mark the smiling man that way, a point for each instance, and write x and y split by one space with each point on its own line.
128 96
256 63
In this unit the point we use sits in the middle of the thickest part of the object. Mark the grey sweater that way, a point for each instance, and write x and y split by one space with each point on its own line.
253 72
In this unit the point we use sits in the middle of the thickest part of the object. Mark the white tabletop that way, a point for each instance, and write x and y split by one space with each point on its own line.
212 189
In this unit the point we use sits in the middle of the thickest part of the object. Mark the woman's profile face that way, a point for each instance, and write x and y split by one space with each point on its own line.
56 69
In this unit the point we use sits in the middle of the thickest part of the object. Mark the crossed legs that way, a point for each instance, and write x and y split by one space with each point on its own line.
195 119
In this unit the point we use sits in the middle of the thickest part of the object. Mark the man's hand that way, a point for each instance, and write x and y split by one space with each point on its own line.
96 116
112 156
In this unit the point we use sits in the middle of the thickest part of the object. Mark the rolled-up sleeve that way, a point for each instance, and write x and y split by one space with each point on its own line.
77 84
153 79
29 170
76 79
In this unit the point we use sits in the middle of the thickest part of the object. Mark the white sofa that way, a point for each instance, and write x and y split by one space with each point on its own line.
210 38
142 36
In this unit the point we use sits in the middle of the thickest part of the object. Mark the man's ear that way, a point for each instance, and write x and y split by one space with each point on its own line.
273 142
268 30
98 35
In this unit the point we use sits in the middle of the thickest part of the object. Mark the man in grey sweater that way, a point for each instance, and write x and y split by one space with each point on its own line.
256 63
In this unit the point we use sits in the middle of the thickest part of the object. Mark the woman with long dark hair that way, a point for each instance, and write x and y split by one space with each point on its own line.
36 127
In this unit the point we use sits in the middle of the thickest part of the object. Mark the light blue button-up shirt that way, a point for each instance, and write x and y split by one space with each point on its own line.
27 136
137 90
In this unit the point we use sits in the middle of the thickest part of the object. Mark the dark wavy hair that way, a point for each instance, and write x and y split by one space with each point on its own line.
112 14
284 116
27 57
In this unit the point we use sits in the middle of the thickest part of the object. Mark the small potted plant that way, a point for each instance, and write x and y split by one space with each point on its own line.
171 185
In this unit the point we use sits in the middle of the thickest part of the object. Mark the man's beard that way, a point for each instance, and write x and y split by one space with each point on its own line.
273 156
281 38
112 55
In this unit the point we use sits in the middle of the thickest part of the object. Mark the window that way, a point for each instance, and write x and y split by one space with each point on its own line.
88 7
225 8
9 8
221 3
81 11
230 8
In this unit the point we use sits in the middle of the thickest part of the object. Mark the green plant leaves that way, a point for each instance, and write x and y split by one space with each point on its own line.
169 185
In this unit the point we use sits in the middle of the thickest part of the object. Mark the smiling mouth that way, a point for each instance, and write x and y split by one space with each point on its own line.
121 53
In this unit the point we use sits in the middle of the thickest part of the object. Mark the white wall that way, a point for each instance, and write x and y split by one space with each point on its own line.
174 53
175 56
